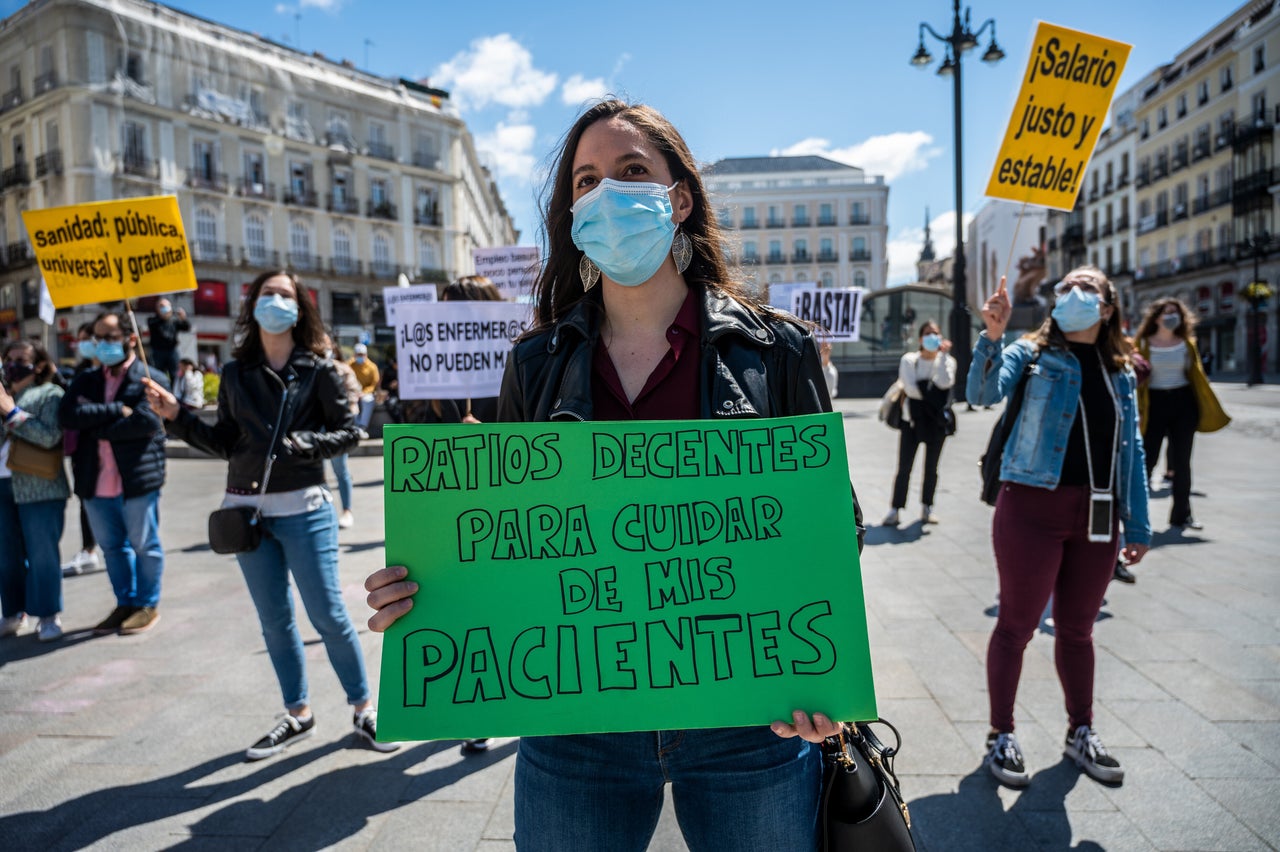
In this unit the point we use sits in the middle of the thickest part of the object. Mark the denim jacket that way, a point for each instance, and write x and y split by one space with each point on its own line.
1038 441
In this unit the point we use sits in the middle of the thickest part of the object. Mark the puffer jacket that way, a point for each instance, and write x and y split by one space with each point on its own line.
751 365
137 441
251 397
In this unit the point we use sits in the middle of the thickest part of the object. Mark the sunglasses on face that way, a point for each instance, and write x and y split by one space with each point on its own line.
1088 285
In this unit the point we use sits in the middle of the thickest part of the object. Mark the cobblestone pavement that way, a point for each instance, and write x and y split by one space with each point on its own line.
137 742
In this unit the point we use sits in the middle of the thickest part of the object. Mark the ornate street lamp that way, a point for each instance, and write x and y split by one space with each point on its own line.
961 40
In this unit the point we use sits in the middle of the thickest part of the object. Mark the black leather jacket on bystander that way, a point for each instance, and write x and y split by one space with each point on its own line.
320 424
751 365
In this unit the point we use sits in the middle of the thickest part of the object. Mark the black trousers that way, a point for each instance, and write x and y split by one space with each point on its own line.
909 439
165 361
1173 414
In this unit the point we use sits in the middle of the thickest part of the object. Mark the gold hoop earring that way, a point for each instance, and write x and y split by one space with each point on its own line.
589 272
681 250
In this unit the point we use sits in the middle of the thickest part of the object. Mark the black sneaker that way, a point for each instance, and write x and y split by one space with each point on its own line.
1084 747
289 731
1004 759
366 725
475 746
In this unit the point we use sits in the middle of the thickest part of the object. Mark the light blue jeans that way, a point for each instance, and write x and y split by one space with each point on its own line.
30 570
366 413
128 531
743 789
306 547
343 474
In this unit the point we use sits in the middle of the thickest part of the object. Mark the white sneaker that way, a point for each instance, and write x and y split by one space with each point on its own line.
13 624
346 520
891 519
927 516
82 563
49 629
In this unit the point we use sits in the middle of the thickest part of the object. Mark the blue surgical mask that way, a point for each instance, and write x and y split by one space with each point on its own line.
625 228
1171 321
1077 310
275 313
931 342
87 349
110 352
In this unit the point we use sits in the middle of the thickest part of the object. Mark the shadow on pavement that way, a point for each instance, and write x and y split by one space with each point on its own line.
894 535
973 819
1175 535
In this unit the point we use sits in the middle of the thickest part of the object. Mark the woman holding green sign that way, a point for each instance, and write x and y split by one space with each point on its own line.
639 319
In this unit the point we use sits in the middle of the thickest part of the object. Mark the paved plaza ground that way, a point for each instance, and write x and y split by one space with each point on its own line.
138 742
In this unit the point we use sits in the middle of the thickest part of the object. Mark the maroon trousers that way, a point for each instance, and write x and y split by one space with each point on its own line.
1042 549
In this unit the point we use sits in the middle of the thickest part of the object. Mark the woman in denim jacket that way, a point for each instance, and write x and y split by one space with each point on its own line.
1073 465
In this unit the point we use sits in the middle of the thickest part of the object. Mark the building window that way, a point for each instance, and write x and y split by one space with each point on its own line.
860 279
1202 93
135 143
1162 118
381 255
858 249
204 160
749 249
725 216
800 216
378 192
428 255
342 252
826 215
255 171
1224 78
1259 104
299 245
1260 58
206 233
858 214
1182 105
828 280
1146 128
748 217
255 239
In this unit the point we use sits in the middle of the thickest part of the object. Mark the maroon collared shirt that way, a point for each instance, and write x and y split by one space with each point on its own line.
671 391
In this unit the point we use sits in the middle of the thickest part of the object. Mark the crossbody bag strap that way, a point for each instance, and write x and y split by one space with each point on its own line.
1015 402
288 406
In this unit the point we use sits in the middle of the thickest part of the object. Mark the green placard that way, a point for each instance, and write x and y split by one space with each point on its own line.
633 576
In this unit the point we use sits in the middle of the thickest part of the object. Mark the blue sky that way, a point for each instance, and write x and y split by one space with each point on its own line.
738 79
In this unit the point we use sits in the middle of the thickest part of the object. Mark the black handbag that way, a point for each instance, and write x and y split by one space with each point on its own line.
862 807
989 464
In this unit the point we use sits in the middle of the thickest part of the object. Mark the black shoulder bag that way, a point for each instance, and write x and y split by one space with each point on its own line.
989 464
862 808
237 529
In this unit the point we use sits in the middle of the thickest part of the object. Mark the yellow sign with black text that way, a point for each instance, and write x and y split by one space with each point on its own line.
1061 108
111 250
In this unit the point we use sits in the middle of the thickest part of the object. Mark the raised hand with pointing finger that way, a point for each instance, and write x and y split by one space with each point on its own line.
996 311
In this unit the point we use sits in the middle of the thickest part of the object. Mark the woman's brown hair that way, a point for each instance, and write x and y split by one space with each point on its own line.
46 370
1111 342
471 288
308 332
1151 320
559 287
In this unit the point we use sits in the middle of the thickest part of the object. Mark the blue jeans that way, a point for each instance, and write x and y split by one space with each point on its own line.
733 788
30 570
128 531
305 546
366 413
343 474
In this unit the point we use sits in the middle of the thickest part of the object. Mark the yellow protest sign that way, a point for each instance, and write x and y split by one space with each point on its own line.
111 250
1061 107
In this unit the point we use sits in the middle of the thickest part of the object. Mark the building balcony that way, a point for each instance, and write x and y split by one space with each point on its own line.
259 257
1091 236
18 255
1122 181
801 257
302 260
1143 178
425 160
46 82
1251 186
335 203
776 223
860 256
1252 130
1179 212
11 99
300 198
1107 230
381 151
1073 235
828 257
749 226
427 218
340 141
345 265
249 188
137 166
1222 140
750 260
1200 151
1122 224
380 210
383 269
774 259
207 251
206 180
16 175
1159 170
1093 194
826 221
859 219
50 162
1108 187
801 222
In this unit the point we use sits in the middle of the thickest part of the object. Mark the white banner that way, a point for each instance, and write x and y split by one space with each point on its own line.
837 313
456 350
418 294
512 269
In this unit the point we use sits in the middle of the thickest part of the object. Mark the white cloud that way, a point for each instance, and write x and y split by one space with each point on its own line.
904 247
891 155
325 5
495 69
577 90
510 149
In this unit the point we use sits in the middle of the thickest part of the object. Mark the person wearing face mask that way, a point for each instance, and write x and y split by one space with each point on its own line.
87 559
1072 474
282 410
637 318
163 326
927 376
1177 401
119 467
32 506
367 373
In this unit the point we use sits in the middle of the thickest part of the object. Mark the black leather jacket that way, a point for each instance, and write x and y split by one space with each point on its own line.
750 366
250 396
